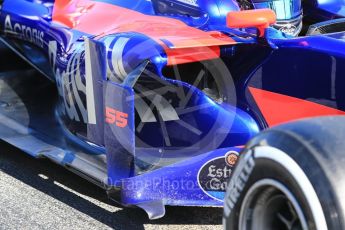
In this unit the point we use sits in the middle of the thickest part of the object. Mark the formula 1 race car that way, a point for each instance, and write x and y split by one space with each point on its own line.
155 100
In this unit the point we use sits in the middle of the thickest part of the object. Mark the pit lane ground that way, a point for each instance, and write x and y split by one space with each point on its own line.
37 194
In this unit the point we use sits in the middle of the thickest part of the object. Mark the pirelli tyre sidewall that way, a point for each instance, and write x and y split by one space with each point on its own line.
287 159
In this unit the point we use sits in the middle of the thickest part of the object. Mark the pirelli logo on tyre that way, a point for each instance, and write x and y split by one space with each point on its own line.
214 175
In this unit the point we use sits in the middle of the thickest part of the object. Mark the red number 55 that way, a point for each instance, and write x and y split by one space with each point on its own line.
113 116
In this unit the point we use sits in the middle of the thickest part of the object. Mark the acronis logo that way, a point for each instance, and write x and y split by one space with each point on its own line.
24 32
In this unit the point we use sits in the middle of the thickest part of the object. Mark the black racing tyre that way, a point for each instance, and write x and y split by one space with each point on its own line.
290 177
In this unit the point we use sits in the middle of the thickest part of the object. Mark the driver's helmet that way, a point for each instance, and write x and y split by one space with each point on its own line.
289 13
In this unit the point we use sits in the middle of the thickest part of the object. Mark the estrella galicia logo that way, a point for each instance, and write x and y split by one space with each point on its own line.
214 175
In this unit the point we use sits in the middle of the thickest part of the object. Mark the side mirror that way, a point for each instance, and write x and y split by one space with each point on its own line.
260 19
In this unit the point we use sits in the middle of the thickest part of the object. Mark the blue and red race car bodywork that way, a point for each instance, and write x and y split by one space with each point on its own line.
131 113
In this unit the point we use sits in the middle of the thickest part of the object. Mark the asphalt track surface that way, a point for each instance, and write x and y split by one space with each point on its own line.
38 194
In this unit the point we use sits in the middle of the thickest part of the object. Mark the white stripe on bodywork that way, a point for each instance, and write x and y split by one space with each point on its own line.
117 60
90 99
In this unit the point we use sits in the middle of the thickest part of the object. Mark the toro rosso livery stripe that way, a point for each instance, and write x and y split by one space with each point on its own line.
181 42
290 108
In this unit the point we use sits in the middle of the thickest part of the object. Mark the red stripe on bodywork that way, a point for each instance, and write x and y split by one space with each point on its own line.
277 108
187 55
98 18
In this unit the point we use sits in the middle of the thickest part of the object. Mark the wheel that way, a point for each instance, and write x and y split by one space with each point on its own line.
290 177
